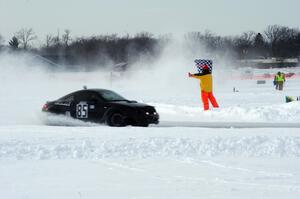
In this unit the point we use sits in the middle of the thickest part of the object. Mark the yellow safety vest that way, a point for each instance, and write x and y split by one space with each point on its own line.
280 78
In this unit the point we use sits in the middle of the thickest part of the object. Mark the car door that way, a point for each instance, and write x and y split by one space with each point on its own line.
88 106
97 106
65 105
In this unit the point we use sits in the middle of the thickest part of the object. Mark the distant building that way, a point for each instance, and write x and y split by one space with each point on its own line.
269 63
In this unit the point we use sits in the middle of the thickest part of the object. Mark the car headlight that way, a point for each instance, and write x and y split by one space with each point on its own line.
148 113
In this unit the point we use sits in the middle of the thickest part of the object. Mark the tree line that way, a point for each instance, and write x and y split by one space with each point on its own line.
95 51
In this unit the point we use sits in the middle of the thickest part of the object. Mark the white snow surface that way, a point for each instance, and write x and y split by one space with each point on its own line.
53 157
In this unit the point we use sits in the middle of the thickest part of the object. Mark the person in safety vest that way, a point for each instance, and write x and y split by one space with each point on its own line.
279 79
206 86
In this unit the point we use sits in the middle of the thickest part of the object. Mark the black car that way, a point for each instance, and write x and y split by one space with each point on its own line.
103 106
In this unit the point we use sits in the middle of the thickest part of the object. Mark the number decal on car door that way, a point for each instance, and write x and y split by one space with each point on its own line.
82 110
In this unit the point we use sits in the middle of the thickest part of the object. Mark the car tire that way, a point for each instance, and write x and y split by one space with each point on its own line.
116 120
141 125
144 125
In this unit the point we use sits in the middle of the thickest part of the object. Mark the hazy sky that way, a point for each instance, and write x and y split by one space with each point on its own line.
93 17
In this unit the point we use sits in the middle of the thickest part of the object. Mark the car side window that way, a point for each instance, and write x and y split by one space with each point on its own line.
70 98
95 97
88 96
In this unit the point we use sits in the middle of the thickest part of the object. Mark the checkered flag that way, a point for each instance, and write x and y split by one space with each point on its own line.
202 64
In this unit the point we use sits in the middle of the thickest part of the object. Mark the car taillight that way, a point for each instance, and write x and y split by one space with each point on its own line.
45 107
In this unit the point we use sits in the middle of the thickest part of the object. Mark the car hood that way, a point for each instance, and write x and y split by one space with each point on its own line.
130 104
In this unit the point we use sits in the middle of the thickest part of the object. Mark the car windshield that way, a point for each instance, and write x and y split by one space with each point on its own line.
111 96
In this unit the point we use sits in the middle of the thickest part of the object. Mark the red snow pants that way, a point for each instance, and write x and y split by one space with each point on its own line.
205 96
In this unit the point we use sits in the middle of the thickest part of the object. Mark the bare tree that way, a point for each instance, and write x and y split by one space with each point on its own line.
246 39
260 46
14 43
49 40
273 33
66 38
244 44
57 40
26 36
1 40
144 35
281 39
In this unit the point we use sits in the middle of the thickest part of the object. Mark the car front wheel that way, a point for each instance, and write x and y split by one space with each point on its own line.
116 119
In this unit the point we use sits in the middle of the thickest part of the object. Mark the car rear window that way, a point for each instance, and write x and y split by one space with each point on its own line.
67 98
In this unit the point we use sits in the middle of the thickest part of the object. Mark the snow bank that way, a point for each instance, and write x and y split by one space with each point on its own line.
285 112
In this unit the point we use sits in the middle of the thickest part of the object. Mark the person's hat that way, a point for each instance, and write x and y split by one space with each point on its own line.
205 67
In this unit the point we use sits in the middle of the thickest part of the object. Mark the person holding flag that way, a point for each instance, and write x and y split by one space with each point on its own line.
205 69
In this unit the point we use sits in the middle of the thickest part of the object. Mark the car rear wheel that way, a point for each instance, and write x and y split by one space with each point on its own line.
116 119
142 125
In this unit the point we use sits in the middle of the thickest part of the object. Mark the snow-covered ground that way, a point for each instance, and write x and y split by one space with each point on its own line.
72 159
